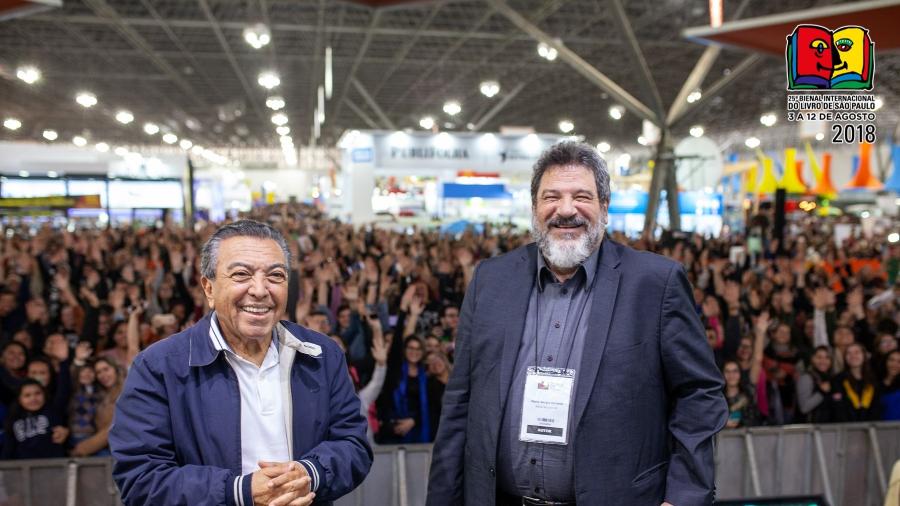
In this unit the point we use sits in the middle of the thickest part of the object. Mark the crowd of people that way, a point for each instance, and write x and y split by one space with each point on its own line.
805 330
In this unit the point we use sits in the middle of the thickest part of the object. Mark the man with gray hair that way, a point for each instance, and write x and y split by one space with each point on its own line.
242 408
582 373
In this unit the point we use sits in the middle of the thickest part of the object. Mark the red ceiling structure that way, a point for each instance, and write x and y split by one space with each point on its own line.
768 34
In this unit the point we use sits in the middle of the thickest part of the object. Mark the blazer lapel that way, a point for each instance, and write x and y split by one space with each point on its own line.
604 301
521 282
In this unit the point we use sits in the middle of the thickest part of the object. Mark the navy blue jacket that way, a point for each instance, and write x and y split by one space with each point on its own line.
649 397
176 433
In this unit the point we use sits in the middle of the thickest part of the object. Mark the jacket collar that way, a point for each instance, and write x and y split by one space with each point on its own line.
202 351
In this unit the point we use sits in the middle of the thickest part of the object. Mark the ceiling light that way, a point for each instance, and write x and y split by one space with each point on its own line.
170 138
286 140
124 117
489 88
545 51
752 142
268 80
151 128
427 122
694 96
79 141
86 99
768 119
696 131
257 35
121 150
329 73
52 173
12 124
185 144
452 107
878 102
275 103
566 126
283 130
23 173
893 237
642 140
603 147
102 147
50 135
616 112
28 73
279 119
820 136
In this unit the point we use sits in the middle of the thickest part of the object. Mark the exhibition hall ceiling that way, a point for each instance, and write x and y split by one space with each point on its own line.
187 67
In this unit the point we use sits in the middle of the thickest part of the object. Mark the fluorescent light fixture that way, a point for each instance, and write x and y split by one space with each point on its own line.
86 99
320 110
124 117
752 142
268 80
279 119
642 140
329 74
52 174
170 138
616 112
283 130
452 107
12 124
151 128
79 141
566 126
489 88
102 147
275 103
28 73
50 135
185 144
545 51
427 122
694 96
257 35
603 147
24 173
768 119
121 150
696 131
820 136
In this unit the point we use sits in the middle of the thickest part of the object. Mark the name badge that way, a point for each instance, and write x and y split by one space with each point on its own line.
546 405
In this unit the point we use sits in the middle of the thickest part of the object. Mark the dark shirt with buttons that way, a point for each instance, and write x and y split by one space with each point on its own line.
553 325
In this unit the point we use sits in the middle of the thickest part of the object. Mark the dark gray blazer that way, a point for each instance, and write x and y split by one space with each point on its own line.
649 399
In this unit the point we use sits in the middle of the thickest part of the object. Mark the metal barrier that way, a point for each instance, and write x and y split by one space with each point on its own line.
848 464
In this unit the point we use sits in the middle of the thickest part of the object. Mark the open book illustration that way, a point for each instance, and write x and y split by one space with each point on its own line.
819 58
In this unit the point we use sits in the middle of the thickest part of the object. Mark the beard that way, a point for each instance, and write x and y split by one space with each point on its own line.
564 254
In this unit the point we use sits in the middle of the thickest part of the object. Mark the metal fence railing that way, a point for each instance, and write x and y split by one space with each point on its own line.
847 464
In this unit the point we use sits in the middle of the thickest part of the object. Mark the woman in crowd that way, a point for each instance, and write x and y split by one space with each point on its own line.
439 369
814 388
742 411
407 417
854 391
83 406
12 370
890 387
34 428
110 378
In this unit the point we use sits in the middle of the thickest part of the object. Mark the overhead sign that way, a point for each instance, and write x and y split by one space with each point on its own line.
58 202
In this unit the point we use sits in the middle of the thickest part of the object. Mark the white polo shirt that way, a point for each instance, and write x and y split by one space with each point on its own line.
263 433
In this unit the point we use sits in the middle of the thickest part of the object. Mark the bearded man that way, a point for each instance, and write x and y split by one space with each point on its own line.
582 372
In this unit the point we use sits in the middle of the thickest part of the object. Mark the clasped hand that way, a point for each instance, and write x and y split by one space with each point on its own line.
281 484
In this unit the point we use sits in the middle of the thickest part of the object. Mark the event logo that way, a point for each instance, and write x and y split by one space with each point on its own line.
819 58
829 73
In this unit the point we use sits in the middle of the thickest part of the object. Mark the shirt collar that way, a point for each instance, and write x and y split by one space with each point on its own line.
584 275
218 340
